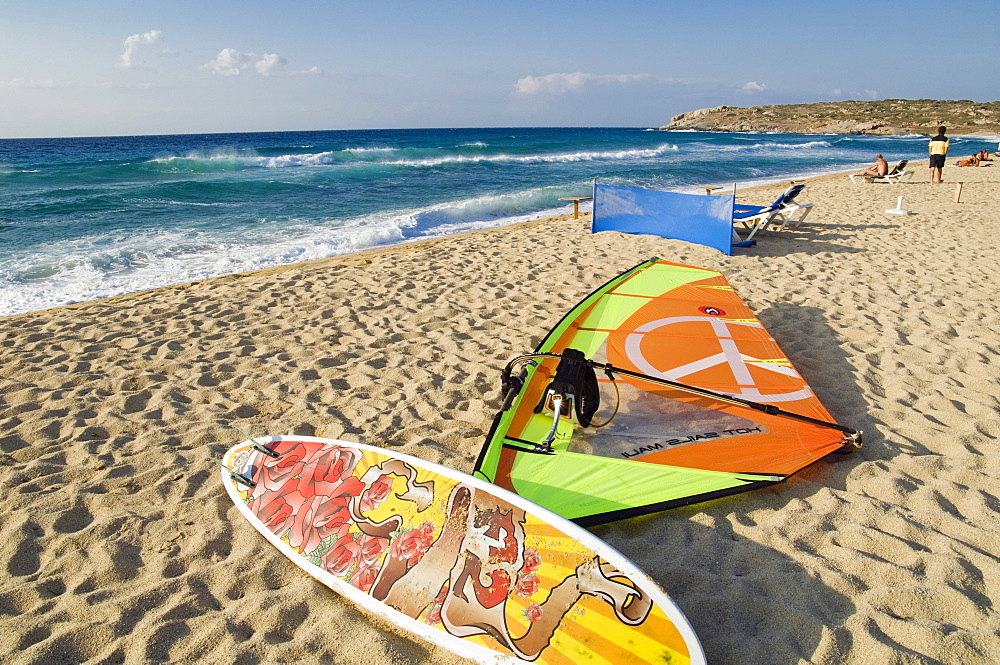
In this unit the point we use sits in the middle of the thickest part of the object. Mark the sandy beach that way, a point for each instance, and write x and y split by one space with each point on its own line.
120 545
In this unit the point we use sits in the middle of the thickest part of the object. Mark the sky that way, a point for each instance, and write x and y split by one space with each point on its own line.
131 67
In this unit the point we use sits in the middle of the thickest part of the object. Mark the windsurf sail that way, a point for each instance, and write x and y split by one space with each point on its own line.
660 389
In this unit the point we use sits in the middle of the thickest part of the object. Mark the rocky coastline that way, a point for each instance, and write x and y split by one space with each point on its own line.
890 117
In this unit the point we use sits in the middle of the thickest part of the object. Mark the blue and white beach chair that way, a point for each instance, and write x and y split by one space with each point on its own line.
781 211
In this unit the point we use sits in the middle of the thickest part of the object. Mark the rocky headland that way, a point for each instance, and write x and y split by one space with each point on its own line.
883 118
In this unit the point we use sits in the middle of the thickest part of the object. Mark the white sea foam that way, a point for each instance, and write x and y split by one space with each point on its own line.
71 271
808 145
251 159
79 278
566 157
218 156
284 161
331 157
376 151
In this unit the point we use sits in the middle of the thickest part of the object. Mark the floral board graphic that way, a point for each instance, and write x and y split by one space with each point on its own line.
451 555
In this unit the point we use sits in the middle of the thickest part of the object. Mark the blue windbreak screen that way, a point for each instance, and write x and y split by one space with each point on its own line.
705 220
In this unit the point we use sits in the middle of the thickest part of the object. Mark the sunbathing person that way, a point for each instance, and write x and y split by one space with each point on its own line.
984 156
970 161
879 168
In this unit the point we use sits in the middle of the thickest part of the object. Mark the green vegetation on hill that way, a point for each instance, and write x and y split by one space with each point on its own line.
884 117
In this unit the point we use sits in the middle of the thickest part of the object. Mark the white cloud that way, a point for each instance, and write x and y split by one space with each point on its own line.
557 84
232 62
133 42
753 86
269 64
551 83
229 62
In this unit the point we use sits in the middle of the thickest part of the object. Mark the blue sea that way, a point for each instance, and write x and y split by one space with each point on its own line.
86 218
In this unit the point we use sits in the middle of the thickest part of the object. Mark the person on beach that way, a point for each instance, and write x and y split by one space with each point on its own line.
968 161
938 149
879 168
984 156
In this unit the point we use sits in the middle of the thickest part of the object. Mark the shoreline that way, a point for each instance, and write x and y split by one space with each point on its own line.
752 186
122 546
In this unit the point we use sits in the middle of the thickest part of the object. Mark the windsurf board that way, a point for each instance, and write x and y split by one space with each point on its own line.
453 559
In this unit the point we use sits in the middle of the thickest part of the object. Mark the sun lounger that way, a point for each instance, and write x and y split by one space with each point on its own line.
787 215
895 176
780 213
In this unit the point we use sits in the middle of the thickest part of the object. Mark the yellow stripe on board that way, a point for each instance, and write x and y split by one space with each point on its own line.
661 626
369 459
564 648
586 647
621 646
648 641
547 582
552 656
550 576
535 528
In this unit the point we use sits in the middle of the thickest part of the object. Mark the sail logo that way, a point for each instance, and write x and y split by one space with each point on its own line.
641 451
729 354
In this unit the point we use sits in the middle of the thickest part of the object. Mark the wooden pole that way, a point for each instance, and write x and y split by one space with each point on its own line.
958 192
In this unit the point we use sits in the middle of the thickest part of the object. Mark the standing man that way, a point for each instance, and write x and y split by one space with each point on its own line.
938 148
